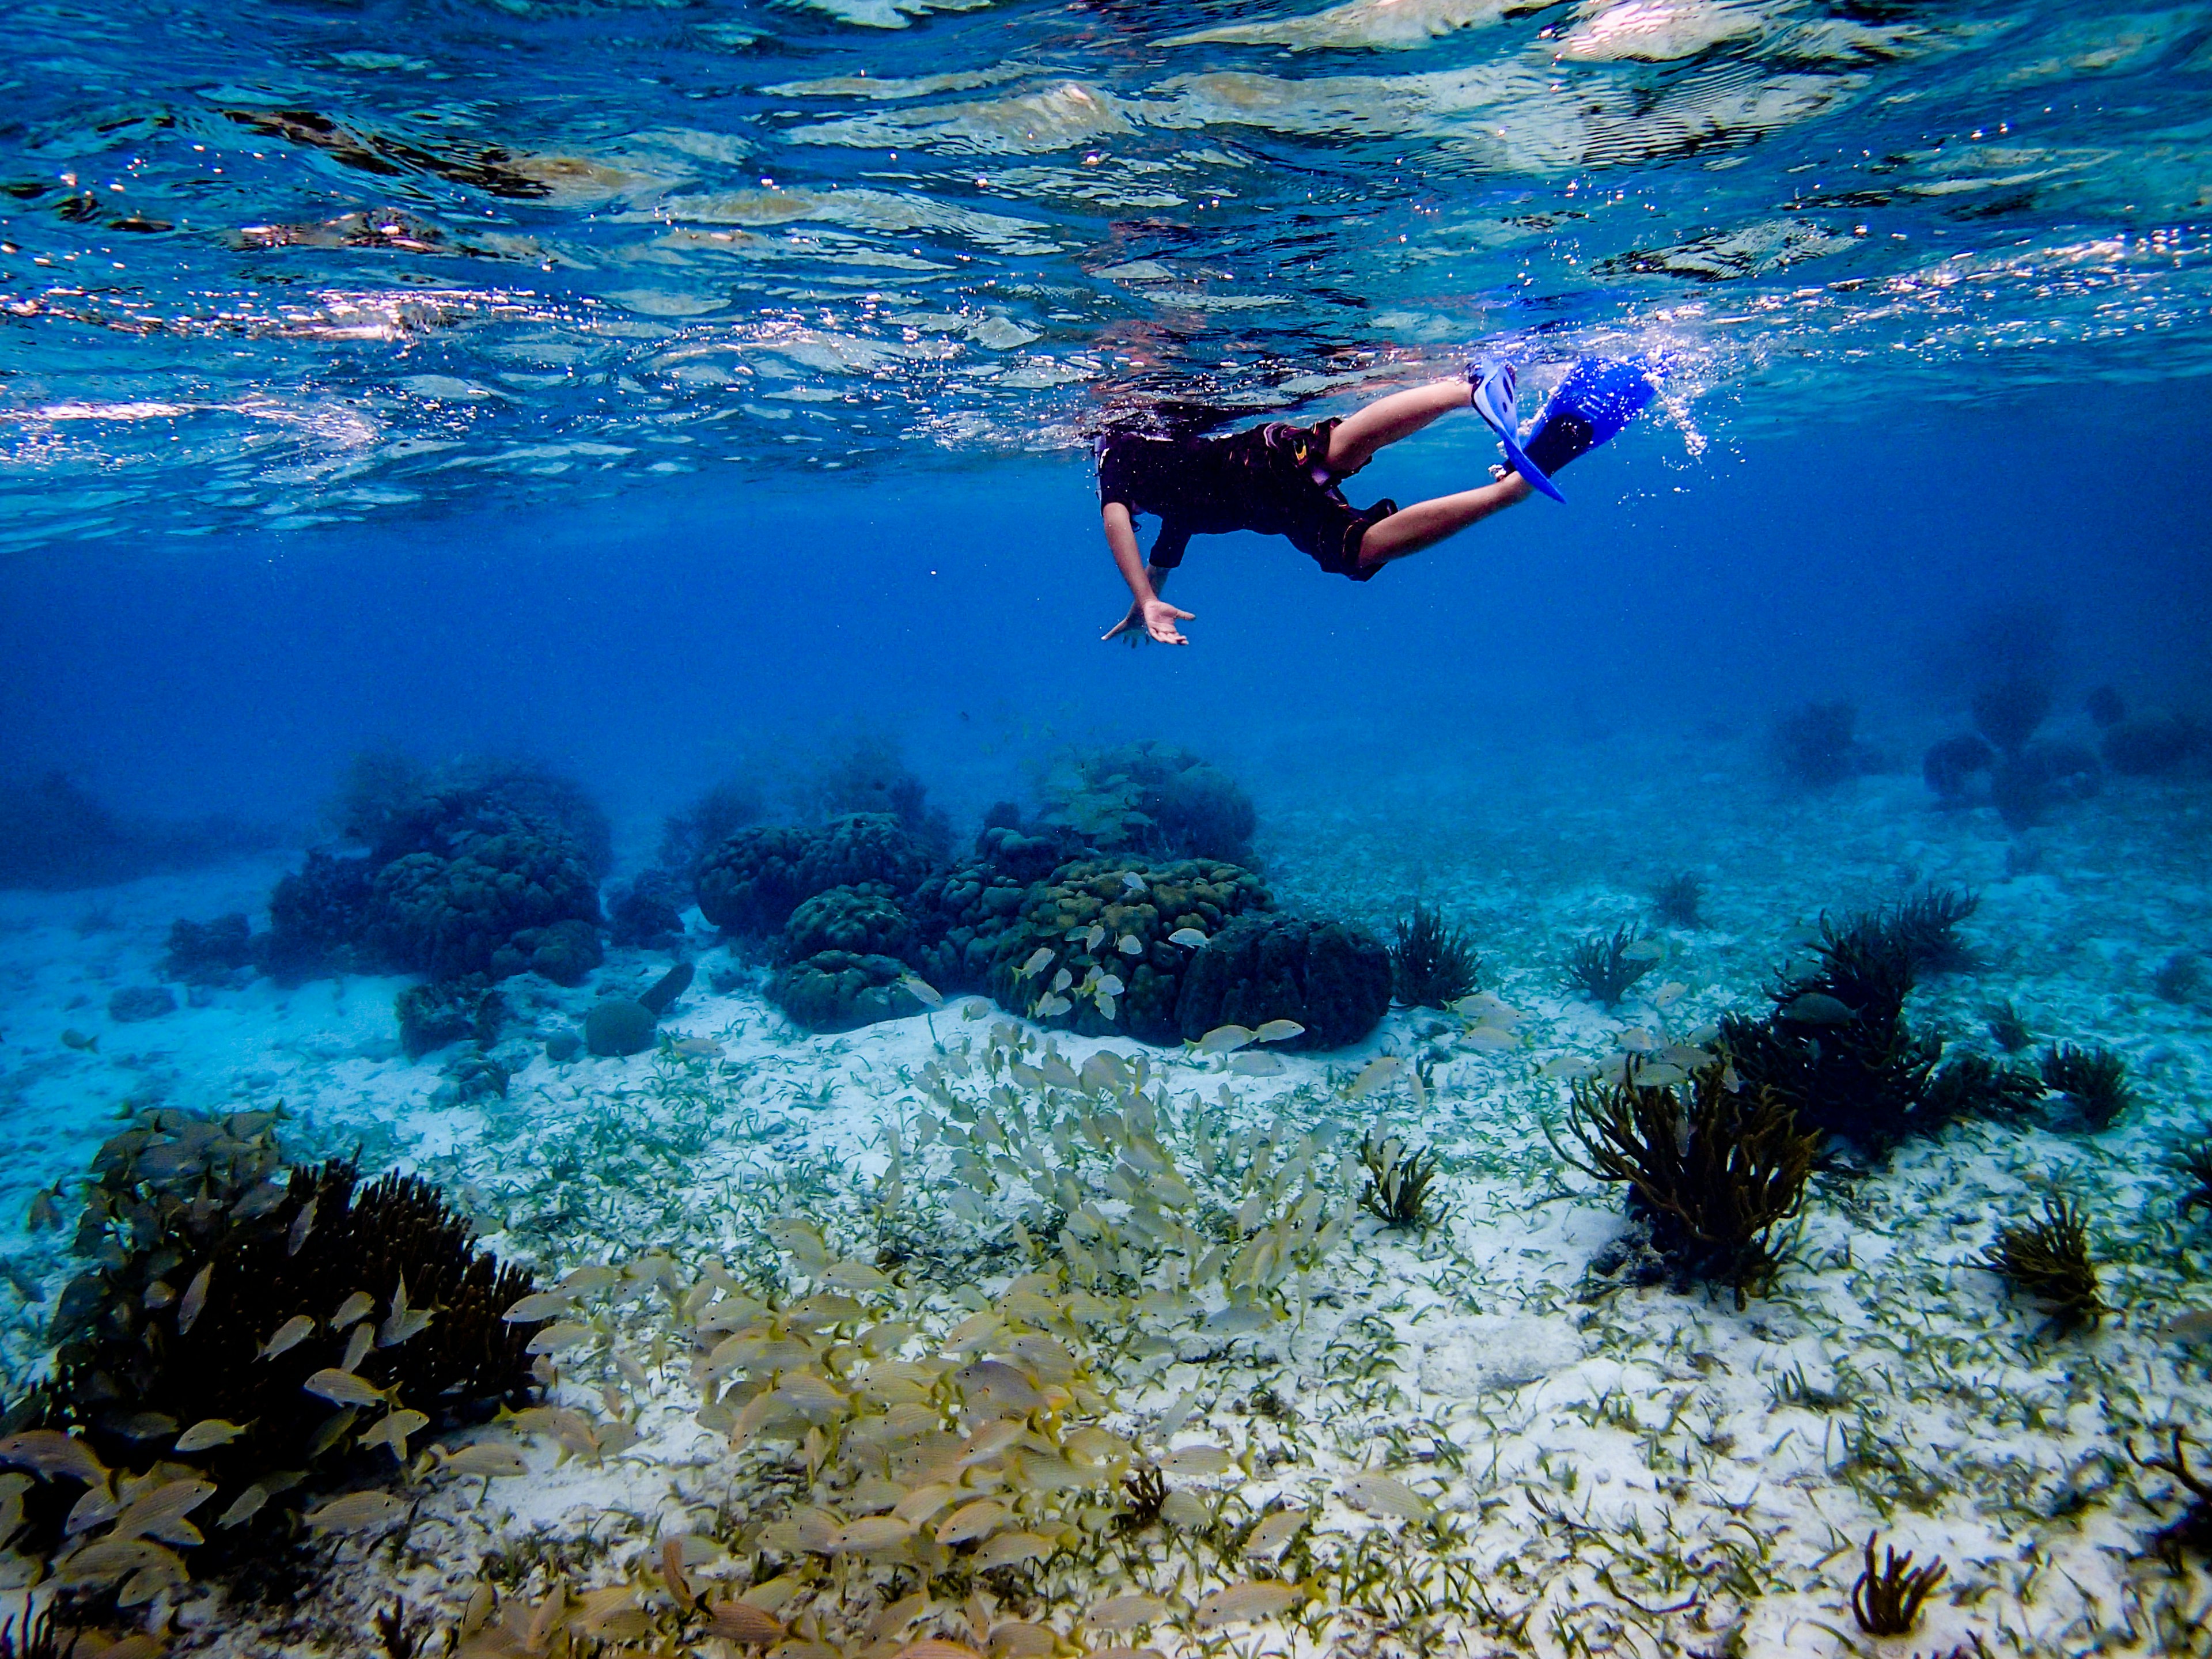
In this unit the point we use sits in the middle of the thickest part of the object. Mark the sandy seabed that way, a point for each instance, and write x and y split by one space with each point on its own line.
1454 1439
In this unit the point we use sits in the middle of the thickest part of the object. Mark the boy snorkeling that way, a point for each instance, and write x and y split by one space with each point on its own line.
1284 480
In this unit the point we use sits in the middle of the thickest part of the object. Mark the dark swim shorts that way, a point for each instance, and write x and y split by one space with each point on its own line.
1271 479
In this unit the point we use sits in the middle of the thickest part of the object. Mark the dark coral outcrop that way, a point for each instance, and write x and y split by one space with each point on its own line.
751 883
1153 799
842 990
1331 978
866 919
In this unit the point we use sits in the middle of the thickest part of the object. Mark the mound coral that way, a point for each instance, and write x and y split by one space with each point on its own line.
1950 765
1091 949
208 953
2028 784
1432 966
864 919
255 1330
450 914
2008 712
751 883
1333 979
961 913
316 917
2149 745
871 776
1715 1174
647 910
618 1027
1153 799
842 990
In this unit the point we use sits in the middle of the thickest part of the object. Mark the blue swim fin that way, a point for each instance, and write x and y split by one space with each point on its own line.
1599 396
1496 397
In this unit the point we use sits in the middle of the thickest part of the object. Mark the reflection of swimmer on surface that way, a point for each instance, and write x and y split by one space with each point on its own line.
1283 480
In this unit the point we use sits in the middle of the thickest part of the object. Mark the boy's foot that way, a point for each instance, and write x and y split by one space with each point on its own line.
1494 394
1599 396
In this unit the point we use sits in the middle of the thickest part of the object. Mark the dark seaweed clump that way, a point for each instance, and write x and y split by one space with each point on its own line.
2007 1028
2179 977
1838 1048
1815 747
1431 965
1678 900
209 953
1603 966
2095 1079
1950 765
2195 1165
200 1248
2010 711
1397 1188
2044 775
1887 1600
1715 1174
2192 1532
2047 1261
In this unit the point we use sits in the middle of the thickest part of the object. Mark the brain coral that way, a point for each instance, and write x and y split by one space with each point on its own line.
1100 924
1333 979
447 916
866 919
755 880
842 990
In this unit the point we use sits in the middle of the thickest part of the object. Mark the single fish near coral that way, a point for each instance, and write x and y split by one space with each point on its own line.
342 1387
1039 959
302 1224
485 1459
1130 945
49 1452
73 1038
1245 1603
1189 938
45 1211
1372 1076
208 1434
1818 1008
351 1312
290 1334
540 1304
1257 1066
355 1512
1225 1039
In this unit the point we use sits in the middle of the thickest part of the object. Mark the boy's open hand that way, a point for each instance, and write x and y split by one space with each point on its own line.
1156 617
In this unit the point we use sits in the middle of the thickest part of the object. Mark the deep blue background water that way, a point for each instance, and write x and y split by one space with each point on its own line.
653 641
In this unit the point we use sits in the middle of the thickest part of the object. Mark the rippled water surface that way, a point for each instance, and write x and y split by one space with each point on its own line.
364 255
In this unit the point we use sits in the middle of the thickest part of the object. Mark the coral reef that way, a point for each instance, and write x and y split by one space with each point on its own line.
842 990
1396 1192
1950 765
208 953
1716 1174
2047 1261
690 835
2028 784
1152 798
316 917
448 915
1887 1600
449 1010
55 836
646 911
1332 979
566 952
1091 948
871 776
2095 1078
751 883
1926 928
1604 966
866 920
1814 747
1678 900
1432 966
2010 711
2151 745
394 806
235 1321
961 913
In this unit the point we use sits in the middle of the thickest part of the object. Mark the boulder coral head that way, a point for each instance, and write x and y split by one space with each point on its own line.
842 990
865 918
447 914
751 883
1152 798
1331 978
1093 949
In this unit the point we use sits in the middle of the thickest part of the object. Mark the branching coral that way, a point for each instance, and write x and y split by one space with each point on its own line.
2095 1079
1603 967
235 1321
1718 1174
1431 965
2048 1260
1887 1600
1397 1188
1926 928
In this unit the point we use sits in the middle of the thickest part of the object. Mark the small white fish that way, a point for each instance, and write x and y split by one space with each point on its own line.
1062 980
1643 950
1132 883
1122 1612
486 1459
1225 1039
973 1521
357 1345
1270 1539
1372 1076
1669 992
394 1429
351 1312
244 1507
355 1512
540 1304
1635 1039
1257 1066
1244 1603
1380 1494
195 1295
915 987
1190 938
1278 1031
208 1433
289 1335
1131 945
554 1338
1564 1067
1492 1039
344 1388
1053 1005
1037 963
2195 1326
302 1224
1093 936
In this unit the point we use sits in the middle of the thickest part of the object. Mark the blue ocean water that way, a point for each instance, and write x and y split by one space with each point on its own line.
667 392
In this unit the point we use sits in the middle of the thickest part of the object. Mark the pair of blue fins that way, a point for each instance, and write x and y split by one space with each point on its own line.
1598 396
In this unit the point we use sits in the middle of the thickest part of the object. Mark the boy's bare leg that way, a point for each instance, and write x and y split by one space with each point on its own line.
1424 524
1359 434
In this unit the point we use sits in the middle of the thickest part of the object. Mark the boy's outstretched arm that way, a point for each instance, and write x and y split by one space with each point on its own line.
1147 609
